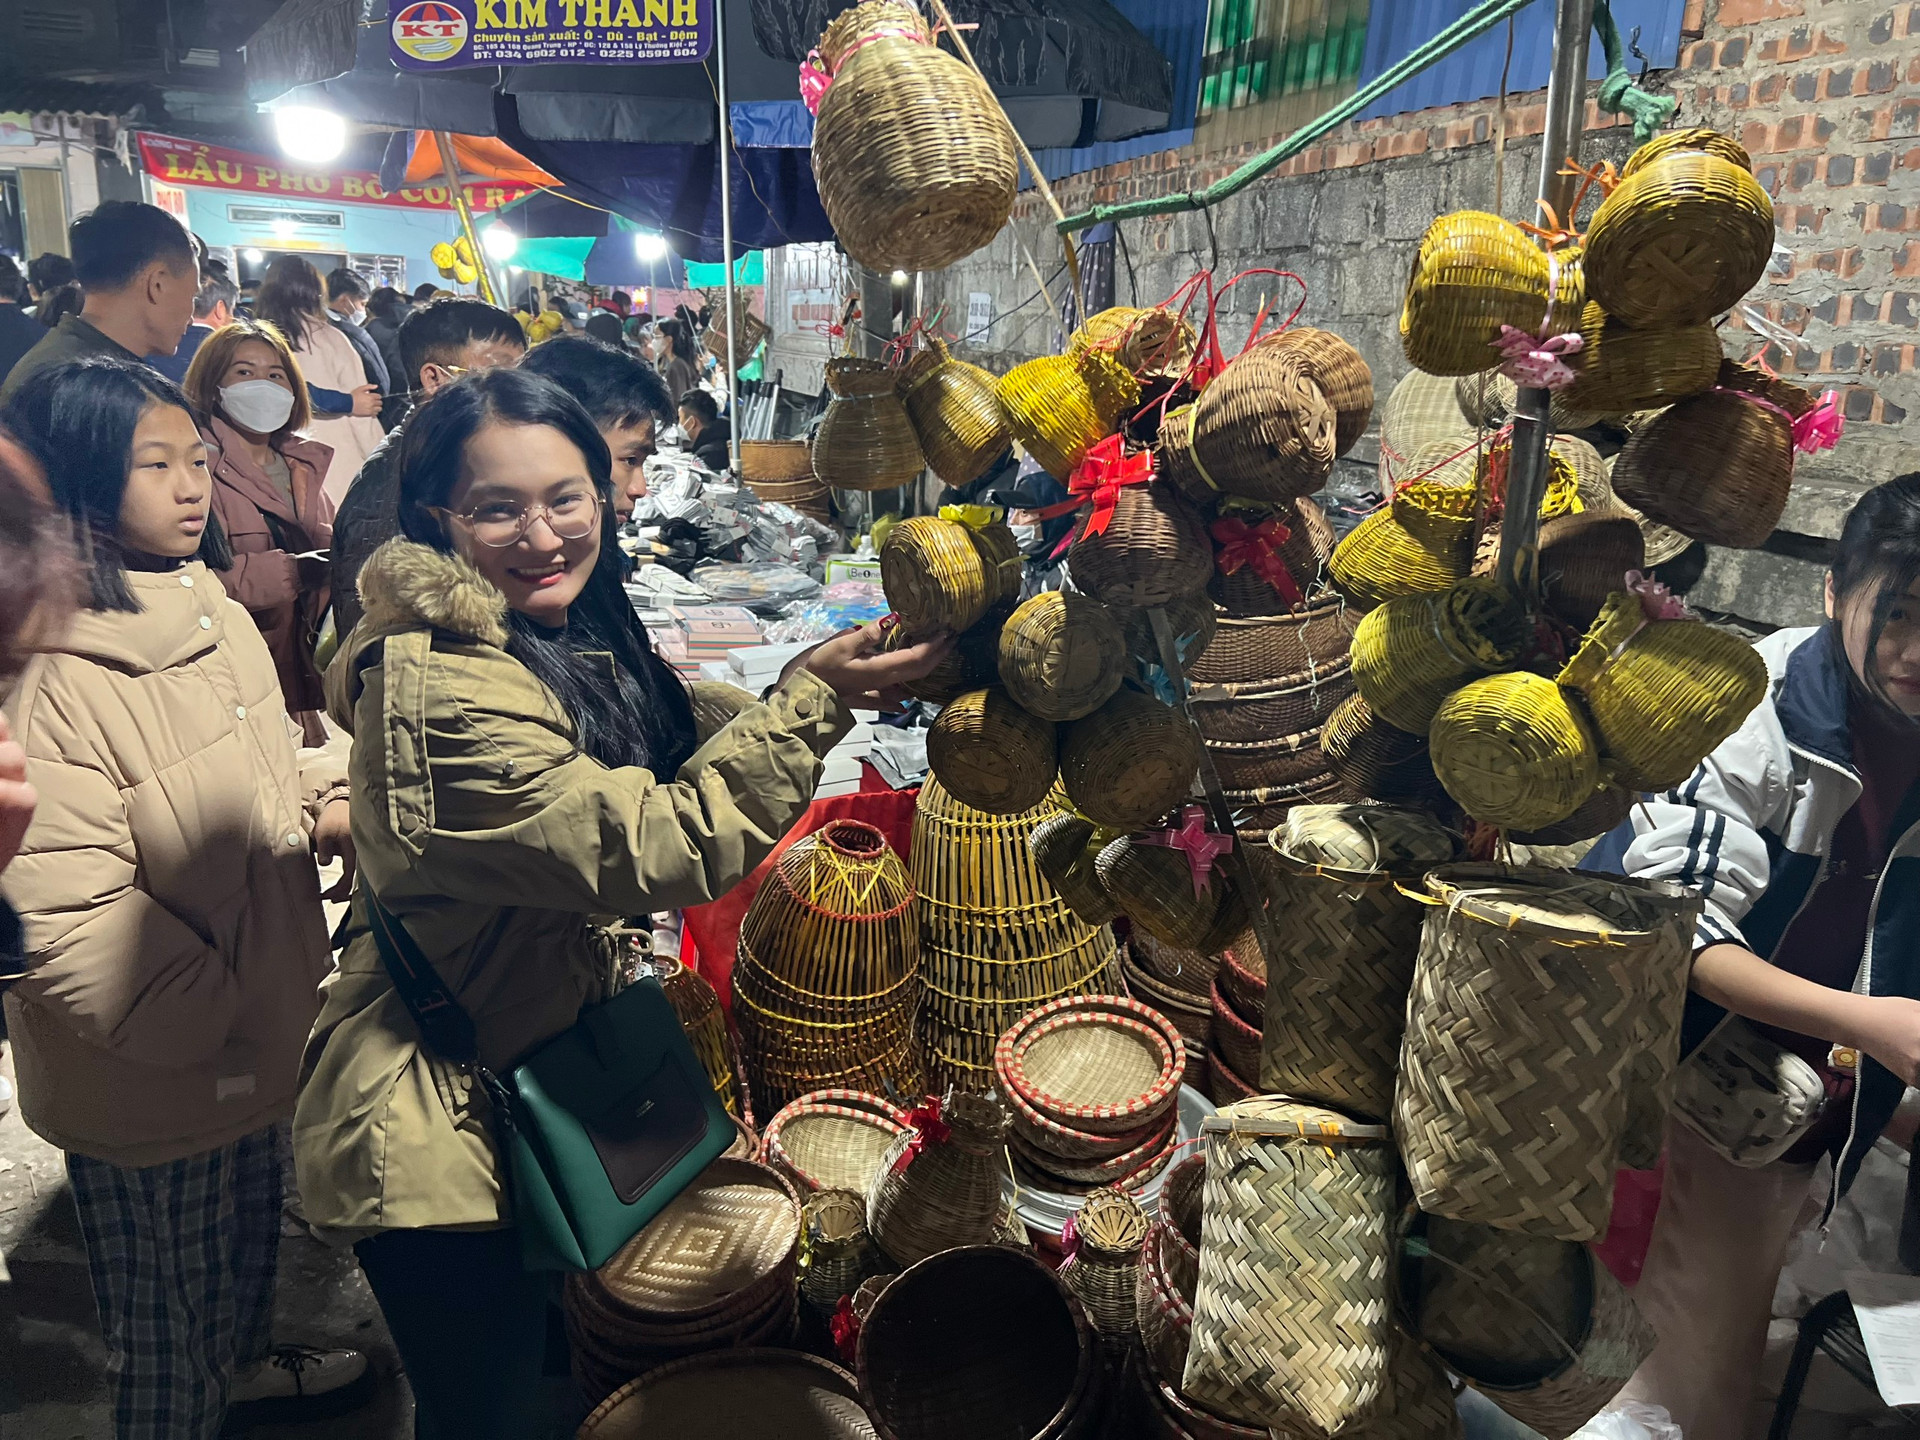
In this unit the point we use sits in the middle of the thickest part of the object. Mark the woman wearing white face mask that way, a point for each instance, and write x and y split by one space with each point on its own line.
252 400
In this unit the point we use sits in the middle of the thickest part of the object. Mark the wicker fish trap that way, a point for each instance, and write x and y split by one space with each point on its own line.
1340 372
1663 693
1303 552
1473 273
955 413
1584 558
1154 886
938 1185
1153 343
978 1341
697 1006
832 1139
1520 1033
914 157
778 462
736 1395
993 754
996 938
1062 655
1538 1326
865 440
1293 1313
1380 560
1262 429
935 576
1622 369
1377 759
1065 851
1514 750
1311 640
1679 240
1233 713
1413 652
1129 762
1102 1064
1716 467
836 1252
1103 1267
1154 548
1058 406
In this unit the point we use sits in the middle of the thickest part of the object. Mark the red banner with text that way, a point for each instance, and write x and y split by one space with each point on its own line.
176 161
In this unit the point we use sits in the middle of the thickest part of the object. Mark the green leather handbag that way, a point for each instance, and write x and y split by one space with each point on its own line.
599 1128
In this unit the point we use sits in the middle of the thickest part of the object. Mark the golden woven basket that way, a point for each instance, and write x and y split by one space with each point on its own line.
1663 693
955 414
776 462
1584 558
1154 547
1154 344
1062 655
1513 750
1621 368
1376 759
1340 372
1129 762
1262 429
938 1194
1065 850
934 575
1716 467
1679 240
1380 559
865 440
1154 886
1696 138
1058 406
992 754
914 157
1411 653
1473 273
1304 552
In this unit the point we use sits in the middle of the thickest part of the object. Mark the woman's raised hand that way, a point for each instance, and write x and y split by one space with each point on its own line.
863 673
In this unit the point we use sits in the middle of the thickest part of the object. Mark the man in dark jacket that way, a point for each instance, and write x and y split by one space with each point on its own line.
19 331
708 436
347 310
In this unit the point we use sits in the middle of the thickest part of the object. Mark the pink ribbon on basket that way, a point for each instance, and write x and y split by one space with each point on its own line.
816 79
1655 599
1202 845
1255 547
1535 361
845 1327
928 1129
1069 1243
1818 429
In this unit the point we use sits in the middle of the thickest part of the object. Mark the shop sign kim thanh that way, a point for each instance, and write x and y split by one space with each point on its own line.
453 34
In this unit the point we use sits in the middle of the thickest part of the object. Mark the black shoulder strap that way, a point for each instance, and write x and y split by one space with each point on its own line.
447 1029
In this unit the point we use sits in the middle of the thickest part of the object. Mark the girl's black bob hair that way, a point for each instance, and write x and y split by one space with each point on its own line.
1879 549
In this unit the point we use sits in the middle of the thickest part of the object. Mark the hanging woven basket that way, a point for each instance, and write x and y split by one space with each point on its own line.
1621 368
1062 655
1340 372
1711 142
935 576
775 462
915 160
1378 760
1295 1261
972 664
1304 552
1716 467
1065 850
1682 237
1380 559
865 440
1474 273
1129 762
1153 548
1487 401
1514 750
1059 406
1154 886
1262 429
992 754
955 413
1411 653
1154 344
1584 558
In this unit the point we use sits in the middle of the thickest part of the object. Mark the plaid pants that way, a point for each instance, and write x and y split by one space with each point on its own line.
182 1257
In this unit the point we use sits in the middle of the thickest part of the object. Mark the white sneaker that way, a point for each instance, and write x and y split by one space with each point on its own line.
299 1382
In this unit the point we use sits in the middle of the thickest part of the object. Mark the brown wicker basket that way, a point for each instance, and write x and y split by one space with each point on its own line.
1065 850
1233 713
733 1394
1340 372
1260 649
972 664
1716 466
1154 548
1487 401
865 440
1377 759
775 462
1129 762
1153 885
1269 764
1062 655
1155 344
1584 558
1304 552
955 413
1103 1271
1413 652
992 754
914 157
1242 976
1622 369
1058 406
1473 273
935 575
1262 429
1235 1040
934 1191
1192 619
832 1139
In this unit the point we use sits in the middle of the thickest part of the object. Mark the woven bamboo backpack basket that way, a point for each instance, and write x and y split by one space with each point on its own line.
1262 429
1473 273
1514 750
1623 369
1129 762
996 939
754 1394
955 413
865 440
1154 548
1153 343
914 157
1663 693
1413 652
1531 972
1336 998
1293 1312
1304 549
1419 542
1681 238
1059 405
1062 655
826 985
1540 1327
993 754
938 1185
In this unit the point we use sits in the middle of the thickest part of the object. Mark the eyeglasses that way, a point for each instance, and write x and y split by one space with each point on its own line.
500 523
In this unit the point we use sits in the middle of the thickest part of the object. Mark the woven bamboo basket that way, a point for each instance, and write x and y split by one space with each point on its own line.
1603 810
1102 1064
1223 1086
1663 693
1413 652
1286 706
1153 885
836 1252
1679 240
1305 552
1694 138
1064 849
865 440
1377 759
1293 1311
996 939
1266 764
1165 1414
914 157
1242 976
826 984
1487 401
1622 369
946 1192
1192 619
1584 558
1049 1142
1002 562
1473 273
832 1139
1173 969
775 462
809 497
1716 467
935 576
992 754
1257 813
1672 912
1514 750
1538 1326
981 1341
1154 344
955 413
1129 762
1234 1040
1103 1271
1163 1311
1155 547
1340 372
1058 406
1130 1168
736 1395
1262 429
697 1006
972 664
1062 655
1266 649
1521 972
1192 1015
1381 560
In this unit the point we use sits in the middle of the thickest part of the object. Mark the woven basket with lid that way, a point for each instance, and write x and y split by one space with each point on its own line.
1340 372
1153 885
992 754
1269 647
1622 369
1293 1313
1413 652
1129 762
1059 405
955 412
1154 547
1716 467
865 440
947 1193
1584 558
1062 655
1473 273
1381 559
755 1394
1153 343
1514 750
935 575
915 160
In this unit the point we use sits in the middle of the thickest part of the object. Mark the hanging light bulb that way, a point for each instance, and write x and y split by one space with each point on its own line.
308 134
254 256
900 277
649 246
500 241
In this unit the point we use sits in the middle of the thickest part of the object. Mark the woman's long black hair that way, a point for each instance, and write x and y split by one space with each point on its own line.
78 420
1879 548
640 713
291 297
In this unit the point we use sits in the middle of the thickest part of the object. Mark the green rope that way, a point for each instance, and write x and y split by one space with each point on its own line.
1618 94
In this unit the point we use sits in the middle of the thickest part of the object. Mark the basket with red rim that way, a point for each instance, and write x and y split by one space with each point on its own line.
1097 1064
832 1139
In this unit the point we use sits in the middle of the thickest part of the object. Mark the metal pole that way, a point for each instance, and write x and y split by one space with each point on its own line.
1527 472
726 229
458 195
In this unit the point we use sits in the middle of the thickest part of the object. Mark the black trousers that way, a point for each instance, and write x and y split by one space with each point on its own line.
470 1324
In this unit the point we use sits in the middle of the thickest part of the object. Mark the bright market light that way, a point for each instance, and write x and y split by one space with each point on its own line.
899 277
500 242
253 256
309 135
649 247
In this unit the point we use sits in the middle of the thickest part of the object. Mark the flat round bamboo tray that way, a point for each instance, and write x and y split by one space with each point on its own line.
1716 467
992 754
1154 344
1062 655
1244 651
1059 406
1234 1040
955 413
1052 1139
1232 714
1584 558
776 462
914 157
1514 750
865 440
1099 1063
1155 548
832 1139
1377 759
1130 1167
1473 273
1622 369
974 1342
1129 762
739 1395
